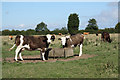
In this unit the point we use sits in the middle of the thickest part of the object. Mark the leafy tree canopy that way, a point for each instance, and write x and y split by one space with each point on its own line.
92 25
73 23
64 29
41 27
117 25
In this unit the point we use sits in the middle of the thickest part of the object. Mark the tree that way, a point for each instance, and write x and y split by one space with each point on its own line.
64 30
30 32
6 32
117 26
73 23
41 27
92 25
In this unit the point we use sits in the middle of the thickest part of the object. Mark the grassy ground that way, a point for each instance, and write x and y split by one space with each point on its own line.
105 65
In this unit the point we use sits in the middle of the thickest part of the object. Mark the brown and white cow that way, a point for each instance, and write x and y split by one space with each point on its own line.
40 43
86 33
105 37
73 41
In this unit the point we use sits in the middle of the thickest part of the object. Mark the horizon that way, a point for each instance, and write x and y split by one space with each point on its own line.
26 15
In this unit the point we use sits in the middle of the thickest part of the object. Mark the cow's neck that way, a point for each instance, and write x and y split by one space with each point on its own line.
71 41
68 43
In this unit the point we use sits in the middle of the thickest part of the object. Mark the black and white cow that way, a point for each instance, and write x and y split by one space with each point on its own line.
73 41
40 43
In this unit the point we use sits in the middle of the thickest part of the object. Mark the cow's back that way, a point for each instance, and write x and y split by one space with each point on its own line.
75 39
36 42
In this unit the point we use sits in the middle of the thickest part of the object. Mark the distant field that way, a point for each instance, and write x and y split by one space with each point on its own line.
104 65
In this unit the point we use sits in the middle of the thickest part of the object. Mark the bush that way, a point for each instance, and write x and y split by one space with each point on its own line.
5 43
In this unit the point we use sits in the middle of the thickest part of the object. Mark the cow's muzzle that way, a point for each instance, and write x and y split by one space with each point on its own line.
63 46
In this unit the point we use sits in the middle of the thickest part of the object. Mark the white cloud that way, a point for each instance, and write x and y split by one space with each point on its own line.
106 18
108 15
21 25
53 26
113 4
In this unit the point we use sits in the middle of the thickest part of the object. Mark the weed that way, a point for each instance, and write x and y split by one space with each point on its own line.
5 43
115 47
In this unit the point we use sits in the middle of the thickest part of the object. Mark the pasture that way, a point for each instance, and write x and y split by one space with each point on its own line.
103 65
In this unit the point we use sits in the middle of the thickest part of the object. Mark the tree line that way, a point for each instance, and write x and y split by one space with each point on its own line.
72 28
56 31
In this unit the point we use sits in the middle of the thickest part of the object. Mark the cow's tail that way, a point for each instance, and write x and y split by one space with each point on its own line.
12 47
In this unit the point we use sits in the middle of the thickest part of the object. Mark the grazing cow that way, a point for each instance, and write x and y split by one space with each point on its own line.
40 43
10 37
73 41
60 34
86 33
96 34
105 37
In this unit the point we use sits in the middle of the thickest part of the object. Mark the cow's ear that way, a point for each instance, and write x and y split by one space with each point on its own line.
59 38
67 38
54 35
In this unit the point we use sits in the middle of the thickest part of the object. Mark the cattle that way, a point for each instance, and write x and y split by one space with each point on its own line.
60 34
10 37
40 43
72 41
86 33
105 37
96 34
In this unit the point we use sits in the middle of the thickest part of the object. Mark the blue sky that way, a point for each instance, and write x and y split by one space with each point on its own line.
26 15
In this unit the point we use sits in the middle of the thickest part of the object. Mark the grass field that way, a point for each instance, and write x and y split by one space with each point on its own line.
104 65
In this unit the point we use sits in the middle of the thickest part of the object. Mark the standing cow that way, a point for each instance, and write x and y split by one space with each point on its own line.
73 41
40 43
105 37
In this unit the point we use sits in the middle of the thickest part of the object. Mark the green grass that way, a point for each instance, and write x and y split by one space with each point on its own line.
104 65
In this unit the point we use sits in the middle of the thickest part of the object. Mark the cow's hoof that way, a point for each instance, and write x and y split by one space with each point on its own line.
17 61
21 60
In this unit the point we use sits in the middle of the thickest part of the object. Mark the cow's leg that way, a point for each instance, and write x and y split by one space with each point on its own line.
43 56
80 53
16 52
20 56
102 39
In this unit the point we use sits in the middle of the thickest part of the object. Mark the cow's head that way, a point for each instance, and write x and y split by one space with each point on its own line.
53 37
50 38
110 40
64 40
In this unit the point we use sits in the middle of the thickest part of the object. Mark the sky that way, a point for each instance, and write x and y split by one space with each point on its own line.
26 15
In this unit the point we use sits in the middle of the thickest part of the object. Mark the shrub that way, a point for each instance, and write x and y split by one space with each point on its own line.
5 43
